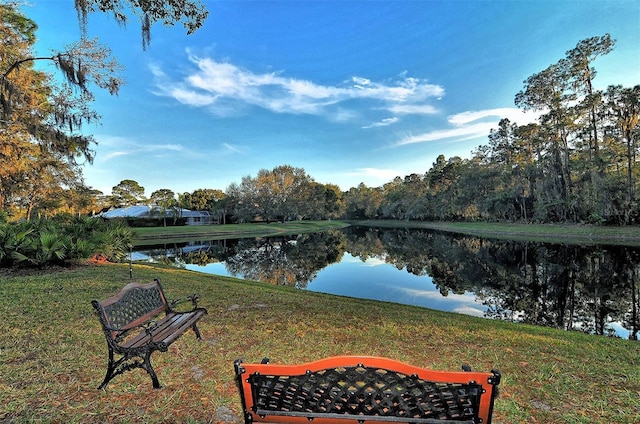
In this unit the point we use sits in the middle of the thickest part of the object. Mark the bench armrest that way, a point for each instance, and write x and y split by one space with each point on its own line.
192 297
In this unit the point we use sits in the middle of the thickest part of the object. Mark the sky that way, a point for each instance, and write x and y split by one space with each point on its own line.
351 91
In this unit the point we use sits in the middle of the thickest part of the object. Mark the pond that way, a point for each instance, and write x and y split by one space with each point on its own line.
593 289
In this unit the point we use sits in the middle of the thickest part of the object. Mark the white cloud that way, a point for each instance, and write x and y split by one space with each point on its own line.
231 148
472 124
113 147
359 81
514 115
374 262
400 109
469 310
113 155
223 87
375 173
384 123
460 134
174 147
191 98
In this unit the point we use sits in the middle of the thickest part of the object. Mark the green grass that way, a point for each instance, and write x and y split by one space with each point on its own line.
154 235
53 354
550 233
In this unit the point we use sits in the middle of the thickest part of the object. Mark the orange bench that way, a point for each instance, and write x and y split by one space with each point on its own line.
139 321
362 389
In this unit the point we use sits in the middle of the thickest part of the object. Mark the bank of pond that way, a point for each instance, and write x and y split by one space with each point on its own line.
587 288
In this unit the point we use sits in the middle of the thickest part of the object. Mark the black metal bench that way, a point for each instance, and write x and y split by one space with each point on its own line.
138 321
348 389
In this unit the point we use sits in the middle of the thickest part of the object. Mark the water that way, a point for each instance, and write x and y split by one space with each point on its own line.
583 288
374 279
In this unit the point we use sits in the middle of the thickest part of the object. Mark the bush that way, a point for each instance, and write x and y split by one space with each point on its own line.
62 239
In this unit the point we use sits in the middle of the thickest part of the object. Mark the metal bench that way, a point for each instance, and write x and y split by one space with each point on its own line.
138 321
362 389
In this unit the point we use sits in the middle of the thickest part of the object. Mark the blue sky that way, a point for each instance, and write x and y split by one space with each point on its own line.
351 91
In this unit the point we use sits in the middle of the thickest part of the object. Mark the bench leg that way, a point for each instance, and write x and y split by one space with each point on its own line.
110 369
149 368
129 362
195 330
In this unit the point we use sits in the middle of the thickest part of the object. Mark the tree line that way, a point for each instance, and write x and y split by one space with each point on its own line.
577 163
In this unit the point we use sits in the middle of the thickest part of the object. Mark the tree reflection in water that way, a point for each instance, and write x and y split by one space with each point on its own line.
573 287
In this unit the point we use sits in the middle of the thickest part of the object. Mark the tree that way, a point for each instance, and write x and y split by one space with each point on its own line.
82 63
242 199
571 123
334 201
165 199
581 74
623 111
202 199
511 155
41 117
191 13
442 187
363 202
82 200
549 91
276 194
283 193
127 193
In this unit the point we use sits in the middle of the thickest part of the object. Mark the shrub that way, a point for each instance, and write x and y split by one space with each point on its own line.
62 239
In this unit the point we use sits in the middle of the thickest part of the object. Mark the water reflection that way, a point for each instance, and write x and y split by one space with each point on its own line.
586 288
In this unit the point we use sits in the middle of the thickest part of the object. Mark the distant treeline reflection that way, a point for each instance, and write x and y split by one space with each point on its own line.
572 287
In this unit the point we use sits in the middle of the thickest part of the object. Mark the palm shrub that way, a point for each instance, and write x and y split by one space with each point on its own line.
52 247
57 241
14 243
86 236
96 237
116 244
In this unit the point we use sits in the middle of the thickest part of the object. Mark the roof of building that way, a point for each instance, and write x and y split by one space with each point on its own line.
145 211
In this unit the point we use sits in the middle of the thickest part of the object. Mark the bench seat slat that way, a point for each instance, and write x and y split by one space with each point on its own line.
167 330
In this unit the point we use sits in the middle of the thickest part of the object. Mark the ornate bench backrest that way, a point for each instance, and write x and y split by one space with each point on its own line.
133 305
363 389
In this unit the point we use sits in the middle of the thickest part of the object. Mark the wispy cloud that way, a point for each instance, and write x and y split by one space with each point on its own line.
518 116
384 123
471 124
174 147
114 147
463 133
230 148
114 155
374 262
405 109
224 87
469 310
376 173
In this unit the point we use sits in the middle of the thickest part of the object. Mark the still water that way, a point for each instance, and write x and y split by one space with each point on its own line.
374 279
582 288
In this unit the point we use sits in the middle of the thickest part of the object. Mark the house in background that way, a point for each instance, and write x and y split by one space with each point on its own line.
154 212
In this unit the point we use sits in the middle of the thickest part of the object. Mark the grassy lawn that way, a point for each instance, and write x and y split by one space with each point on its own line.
551 233
155 235
53 354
